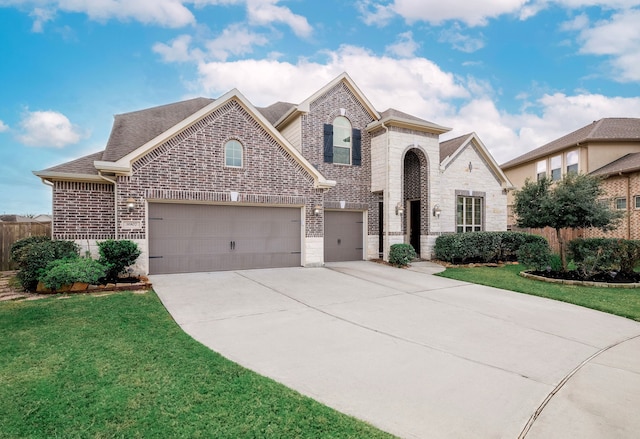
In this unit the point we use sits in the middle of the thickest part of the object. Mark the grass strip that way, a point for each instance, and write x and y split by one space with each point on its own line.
619 301
118 366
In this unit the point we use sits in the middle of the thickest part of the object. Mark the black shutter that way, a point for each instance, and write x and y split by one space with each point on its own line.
328 143
356 148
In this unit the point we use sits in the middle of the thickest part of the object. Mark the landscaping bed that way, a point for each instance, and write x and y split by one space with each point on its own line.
611 277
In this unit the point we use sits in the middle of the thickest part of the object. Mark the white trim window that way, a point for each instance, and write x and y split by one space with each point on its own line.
541 169
637 201
572 162
556 168
233 154
469 214
342 140
621 203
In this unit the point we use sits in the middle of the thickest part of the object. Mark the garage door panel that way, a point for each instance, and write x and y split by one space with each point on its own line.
191 238
343 236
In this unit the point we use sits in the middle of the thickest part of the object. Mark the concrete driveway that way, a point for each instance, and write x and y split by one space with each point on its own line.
418 355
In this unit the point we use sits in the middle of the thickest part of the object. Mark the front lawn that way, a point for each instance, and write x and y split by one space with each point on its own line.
620 301
119 366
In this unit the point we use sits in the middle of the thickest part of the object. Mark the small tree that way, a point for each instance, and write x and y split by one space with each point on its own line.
572 203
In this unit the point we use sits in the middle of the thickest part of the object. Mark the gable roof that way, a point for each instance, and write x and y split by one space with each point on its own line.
132 130
607 129
305 106
392 116
275 111
452 148
625 164
81 168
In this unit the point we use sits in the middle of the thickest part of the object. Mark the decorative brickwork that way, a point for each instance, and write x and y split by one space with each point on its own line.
83 210
190 167
416 186
353 182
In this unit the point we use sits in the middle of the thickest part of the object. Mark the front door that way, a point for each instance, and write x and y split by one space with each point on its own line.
414 225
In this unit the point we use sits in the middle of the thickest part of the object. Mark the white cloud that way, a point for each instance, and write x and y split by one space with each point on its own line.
3 127
177 50
265 12
169 13
404 47
234 40
460 41
48 129
617 38
414 85
40 17
373 13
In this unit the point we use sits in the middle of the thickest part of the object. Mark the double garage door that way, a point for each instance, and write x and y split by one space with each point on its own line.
186 238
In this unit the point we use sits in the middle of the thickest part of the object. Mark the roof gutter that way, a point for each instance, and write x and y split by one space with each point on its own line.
115 202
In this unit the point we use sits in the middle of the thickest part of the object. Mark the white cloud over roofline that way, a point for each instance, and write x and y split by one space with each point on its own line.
49 129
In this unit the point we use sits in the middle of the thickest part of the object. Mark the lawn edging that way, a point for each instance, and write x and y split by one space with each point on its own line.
528 275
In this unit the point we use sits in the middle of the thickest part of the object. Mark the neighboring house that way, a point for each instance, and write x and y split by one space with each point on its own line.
608 148
204 185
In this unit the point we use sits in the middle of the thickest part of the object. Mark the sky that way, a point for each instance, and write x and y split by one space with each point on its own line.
519 73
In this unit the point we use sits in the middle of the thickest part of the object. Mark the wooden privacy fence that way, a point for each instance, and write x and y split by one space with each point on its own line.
11 232
550 234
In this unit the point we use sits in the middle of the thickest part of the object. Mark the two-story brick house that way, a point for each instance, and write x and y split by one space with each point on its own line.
206 184
608 148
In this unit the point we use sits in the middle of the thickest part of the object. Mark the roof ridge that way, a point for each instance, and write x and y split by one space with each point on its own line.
596 127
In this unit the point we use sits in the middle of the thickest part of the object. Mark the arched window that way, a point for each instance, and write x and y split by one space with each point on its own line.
233 152
342 140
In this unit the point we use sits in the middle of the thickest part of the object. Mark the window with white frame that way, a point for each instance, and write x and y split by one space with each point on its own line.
637 201
541 169
556 168
469 214
233 153
621 203
342 140
572 162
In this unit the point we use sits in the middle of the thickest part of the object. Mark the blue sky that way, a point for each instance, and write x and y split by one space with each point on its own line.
519 73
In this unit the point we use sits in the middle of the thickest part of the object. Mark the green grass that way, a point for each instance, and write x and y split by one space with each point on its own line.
118 366
619 301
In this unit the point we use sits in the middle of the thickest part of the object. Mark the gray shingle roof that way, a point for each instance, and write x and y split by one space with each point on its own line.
397 114
450 146
132 130
627 163
83 165
613 128
275 111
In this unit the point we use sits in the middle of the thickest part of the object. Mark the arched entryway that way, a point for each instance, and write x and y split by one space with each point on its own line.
415 196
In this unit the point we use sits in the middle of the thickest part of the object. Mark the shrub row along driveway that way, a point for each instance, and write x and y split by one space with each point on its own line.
419 355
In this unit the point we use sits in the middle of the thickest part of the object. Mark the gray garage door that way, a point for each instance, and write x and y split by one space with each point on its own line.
343 236
186 238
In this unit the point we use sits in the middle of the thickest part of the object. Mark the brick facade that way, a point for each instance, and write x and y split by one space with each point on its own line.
83 210
353 183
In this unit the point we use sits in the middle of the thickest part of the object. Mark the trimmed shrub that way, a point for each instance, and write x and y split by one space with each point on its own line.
116 256
401 254
535 254
482 246
67 271
34 257
598 255
17 246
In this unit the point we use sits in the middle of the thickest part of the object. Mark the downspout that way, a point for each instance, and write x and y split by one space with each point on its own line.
629 207
50 184
385 198
115 202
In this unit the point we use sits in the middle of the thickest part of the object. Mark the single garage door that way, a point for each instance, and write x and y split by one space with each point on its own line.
343 236
186 238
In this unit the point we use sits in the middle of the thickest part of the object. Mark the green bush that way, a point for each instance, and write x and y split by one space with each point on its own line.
597 255
555 262
401 254
116 256
17 246
482 246
34 257
67 271
536 255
